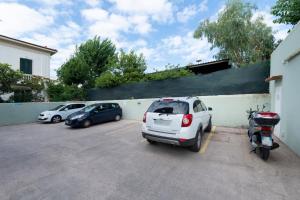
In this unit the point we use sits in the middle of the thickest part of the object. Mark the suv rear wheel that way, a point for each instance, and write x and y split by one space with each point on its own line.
197 146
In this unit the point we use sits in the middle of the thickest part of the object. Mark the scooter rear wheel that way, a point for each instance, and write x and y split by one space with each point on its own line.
264 153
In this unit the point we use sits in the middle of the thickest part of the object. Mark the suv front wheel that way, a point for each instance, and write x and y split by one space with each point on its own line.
197 146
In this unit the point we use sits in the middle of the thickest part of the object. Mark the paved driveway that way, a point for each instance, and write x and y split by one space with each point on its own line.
113 161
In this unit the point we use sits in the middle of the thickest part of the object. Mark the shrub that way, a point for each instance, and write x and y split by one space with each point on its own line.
22 96
107 79
61 92
168 74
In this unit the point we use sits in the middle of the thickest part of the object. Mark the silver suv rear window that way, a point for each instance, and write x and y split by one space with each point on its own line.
169 107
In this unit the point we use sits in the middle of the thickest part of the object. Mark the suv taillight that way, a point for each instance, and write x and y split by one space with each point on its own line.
266 128
144 118
187 120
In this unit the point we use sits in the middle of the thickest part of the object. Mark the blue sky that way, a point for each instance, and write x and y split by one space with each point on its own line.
160 29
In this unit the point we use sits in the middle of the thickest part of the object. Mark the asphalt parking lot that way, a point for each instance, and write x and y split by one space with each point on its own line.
113 161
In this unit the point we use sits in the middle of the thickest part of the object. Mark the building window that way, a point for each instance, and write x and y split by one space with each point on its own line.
26 66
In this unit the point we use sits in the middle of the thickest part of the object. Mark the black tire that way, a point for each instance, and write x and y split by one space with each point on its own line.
86 123
56 119
151 141
264 153
117 117
209 126
197 146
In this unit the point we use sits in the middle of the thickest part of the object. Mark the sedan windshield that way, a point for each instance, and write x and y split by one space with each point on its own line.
56 108
89 108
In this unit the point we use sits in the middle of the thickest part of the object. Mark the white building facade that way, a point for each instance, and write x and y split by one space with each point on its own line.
285 88
29 58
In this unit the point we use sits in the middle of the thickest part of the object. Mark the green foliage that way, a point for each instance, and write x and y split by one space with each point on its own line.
75 71
61 92
237 37
108 79
87 63
96 54
22 96
287 11
123 68
171 72
8 78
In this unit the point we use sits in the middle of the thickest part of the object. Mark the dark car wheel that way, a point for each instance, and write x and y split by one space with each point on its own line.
197 146
86 123
117 117
56 119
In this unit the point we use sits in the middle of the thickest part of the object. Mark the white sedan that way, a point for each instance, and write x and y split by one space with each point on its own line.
60 112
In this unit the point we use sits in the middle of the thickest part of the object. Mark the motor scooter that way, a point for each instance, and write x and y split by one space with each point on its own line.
261 128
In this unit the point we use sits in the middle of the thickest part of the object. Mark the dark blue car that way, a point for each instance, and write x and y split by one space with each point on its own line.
94 114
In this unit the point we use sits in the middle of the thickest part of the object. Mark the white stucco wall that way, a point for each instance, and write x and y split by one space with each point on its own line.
11 53
290 96
228 110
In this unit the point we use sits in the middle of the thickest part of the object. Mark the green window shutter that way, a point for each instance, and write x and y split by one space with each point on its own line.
26 66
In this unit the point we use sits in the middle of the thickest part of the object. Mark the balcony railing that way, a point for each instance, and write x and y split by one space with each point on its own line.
29 77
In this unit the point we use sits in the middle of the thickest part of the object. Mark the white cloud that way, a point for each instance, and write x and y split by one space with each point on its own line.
109 27
203 6
17 19
280 31
187 48
94 14
158 10
112 25
54 2
140 24
187 13
92 2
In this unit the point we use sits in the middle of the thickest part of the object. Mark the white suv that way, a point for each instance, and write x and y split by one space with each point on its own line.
178 121
60 112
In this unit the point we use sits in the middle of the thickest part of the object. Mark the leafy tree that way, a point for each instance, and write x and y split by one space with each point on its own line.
96 54
171 72
25 90
287 11
88 62
123 68
75 71
130 66
236 35
8 78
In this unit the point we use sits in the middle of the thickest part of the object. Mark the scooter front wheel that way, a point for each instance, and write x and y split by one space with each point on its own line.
264 153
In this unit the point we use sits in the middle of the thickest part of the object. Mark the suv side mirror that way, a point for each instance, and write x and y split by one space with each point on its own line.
210 109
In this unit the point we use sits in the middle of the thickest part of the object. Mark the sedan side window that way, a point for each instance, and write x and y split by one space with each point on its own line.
105 107
66 108
72 106
97 110
75 106
80 105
